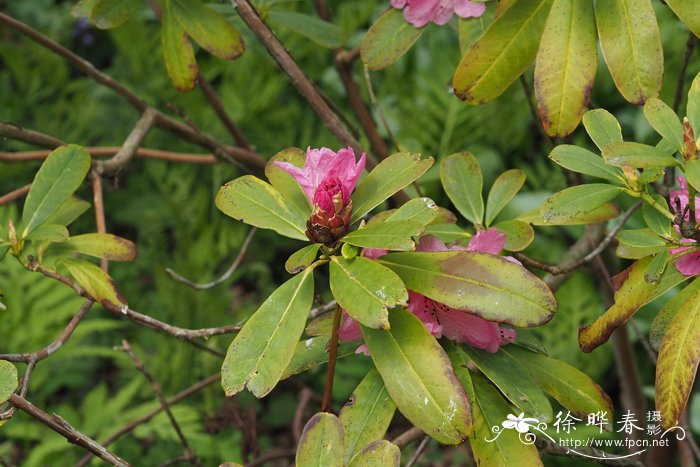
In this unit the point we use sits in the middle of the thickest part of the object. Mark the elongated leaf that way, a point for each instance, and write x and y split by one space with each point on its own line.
486 285
420 210
8 380
59 177
658 327
693 107
107 14
490 410
502 53
388 177
49 232
367 415
602 127
447 232
178 54
692 172
637 155
366 290
602 213
321 443
630 297
638 243
514 382
264 347
96 282
250 200
321 32
462 180
285 183
313 352
585 162
631 44
688 12
380 453
665 121
570 204
657 222
69 211
518 234
571 387
566 65
419 378
208 28
678 361
302 259
387 40
502 191
105 246
390 235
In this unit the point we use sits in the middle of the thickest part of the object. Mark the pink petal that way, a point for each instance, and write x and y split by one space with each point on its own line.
467 9
398 3
420 12
349 329
507 335
689 264
423 308
373 253
469 329
487 241
301 175
430 243
347 168
362 350
443 12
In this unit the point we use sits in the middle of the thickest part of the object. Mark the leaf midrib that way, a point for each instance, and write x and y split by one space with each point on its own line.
275 213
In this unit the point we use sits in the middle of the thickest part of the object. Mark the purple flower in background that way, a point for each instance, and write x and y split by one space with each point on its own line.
421 12
689 263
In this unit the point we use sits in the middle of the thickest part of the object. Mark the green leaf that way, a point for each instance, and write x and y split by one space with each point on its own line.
629 298
313 352
389 38
519 235
570 204
514 382
285 183
631 44
105 246
572 388
637 155
48 233
250 200
178 54
692 173
302 259
349 251
389 176
688 12
658 327
638 243
585 162
462 180
321 32
490 410
677 365
59 177
657 222
208 28
264 347
420 210
656 267
69 211
366 290
82 8
367 415
502 191
321 443
693 106
380 453
390 235
566 65
447 232
602 127
486 285
470 29
502 53
8 380
665 121
107 14
96 282
419 378
602 213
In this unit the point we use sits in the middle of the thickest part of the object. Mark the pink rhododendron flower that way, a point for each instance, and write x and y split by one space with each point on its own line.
328 179
442 320
689 263
421 12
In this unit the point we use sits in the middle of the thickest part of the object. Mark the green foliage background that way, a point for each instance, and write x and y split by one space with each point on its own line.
168 211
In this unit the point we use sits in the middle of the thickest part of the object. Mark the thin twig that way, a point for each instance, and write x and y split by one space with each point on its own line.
23 389
131 426
225 276
99 205
270 456
680 84
564 269
14 194
218 106
189 453
536 120
332 358
103 151
16 132
298 420
63 428
131 144
419 451
378 109
408 436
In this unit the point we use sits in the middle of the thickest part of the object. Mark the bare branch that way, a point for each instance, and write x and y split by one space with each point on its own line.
419 451
98 202
218 106
14 194
407 437
103 151
131 144
16 132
